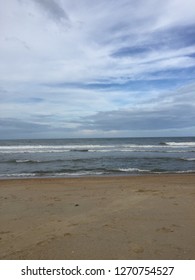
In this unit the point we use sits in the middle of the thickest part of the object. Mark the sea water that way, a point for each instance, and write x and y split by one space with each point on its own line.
88 157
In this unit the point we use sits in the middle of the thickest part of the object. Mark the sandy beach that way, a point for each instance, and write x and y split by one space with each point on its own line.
132 217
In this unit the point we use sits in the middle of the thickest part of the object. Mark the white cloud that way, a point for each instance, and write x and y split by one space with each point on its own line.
36 48
54 50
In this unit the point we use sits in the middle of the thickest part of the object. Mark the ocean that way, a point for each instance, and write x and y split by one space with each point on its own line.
93 157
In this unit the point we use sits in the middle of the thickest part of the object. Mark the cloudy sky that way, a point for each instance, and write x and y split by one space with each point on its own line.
97 68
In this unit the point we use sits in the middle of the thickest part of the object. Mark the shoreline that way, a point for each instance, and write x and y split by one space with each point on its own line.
103 217
178 173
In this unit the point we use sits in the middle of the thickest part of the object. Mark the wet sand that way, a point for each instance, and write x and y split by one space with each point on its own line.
132 217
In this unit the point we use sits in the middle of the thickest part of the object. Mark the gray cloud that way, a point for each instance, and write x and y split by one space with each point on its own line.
53 9
17 40
7 124
166 111
176 117
28 129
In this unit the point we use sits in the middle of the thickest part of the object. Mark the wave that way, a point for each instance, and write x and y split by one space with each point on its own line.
168 147
133 170
129 171
188 159
80 173
95 159
185 171
20 161
52 147
79 150
26 160
32 151
180 144
16 175
91 160
163 143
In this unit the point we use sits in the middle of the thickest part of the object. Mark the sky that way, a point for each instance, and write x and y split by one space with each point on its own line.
96 68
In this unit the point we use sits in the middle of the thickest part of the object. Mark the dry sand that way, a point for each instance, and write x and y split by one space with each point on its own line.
137 217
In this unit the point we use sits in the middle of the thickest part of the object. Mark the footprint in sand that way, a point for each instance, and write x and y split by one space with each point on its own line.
138 249
165 230
50 204
40 243
4 232
67 234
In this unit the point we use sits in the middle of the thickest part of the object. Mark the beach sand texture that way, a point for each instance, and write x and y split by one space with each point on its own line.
131 217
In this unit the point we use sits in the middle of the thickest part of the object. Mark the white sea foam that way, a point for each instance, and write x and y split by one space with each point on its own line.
181 144
22 160
185 171
96 148
27 160
48 147
79 173
132 170
18 175
33 151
